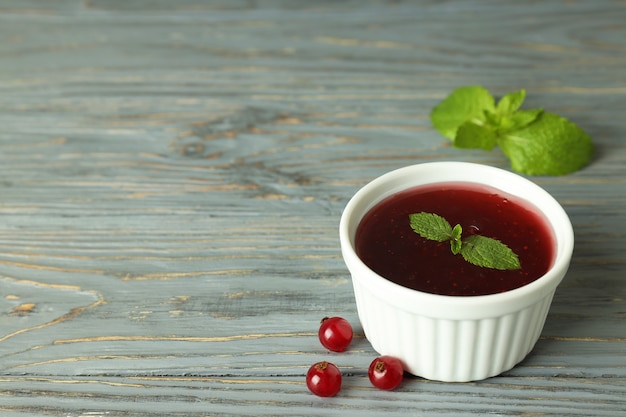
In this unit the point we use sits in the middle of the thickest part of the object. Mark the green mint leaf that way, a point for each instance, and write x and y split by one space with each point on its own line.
489 253
471 135
536 142
550 145
475 249
492 120
431 226
463 104
455 239
520 119
510 102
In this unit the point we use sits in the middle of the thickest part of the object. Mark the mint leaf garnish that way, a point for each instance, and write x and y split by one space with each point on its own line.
431 226
489 253
455 240
478 250
535 141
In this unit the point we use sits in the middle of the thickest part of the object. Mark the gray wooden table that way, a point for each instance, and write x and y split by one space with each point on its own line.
172 176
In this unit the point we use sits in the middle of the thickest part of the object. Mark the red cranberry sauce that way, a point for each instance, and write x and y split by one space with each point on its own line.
386 243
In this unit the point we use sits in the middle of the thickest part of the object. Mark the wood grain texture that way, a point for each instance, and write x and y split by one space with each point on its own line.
172 176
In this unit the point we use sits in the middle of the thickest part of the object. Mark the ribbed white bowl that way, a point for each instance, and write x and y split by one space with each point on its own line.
451 338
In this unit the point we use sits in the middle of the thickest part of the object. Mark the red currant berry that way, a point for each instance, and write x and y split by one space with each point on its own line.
324 379
386 372
335 333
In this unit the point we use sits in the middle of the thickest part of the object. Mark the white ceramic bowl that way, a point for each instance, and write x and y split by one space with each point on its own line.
453 338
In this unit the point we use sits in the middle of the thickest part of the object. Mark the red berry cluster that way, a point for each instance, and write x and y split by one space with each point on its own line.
324 378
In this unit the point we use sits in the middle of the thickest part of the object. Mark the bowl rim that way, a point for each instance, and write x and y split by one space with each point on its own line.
450 306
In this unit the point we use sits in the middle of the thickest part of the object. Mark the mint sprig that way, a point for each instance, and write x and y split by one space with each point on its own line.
536 142
476 249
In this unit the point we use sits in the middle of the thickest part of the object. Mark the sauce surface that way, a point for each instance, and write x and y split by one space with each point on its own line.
386 243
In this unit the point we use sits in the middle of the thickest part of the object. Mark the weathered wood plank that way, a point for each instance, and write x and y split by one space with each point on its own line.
286 396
